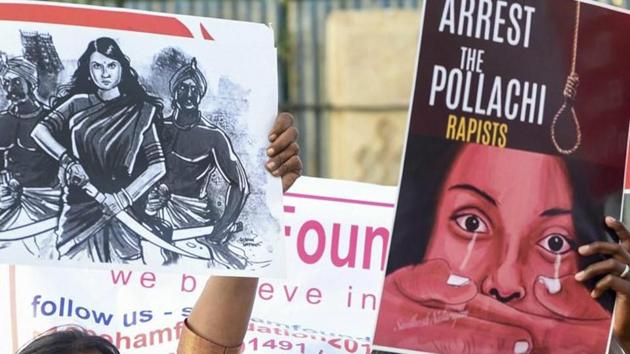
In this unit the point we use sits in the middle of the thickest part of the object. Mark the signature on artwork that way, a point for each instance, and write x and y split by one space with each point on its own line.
431 319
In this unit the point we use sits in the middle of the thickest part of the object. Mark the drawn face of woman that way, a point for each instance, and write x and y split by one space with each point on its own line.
104 71
504 221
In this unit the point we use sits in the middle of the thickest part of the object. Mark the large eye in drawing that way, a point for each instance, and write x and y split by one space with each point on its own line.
471 223
555 243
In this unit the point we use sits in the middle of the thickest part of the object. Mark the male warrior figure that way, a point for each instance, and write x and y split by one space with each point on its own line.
28 176
194 149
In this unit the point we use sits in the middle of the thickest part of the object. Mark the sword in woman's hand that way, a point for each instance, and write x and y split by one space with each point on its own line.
136 226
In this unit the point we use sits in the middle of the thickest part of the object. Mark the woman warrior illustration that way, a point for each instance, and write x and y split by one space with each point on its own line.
102 132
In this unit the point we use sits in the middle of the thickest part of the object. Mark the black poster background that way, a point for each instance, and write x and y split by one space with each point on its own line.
602 63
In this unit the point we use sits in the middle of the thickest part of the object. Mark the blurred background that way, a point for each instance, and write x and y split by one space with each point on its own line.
346 68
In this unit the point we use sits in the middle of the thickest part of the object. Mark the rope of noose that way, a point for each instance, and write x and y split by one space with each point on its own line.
570 92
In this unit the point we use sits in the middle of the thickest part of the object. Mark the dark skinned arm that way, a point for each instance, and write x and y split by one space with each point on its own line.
232 170
610 271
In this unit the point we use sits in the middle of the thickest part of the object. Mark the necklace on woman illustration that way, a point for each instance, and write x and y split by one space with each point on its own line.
570 91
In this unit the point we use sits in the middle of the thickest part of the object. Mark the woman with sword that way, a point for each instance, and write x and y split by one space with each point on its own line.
104 136
218 321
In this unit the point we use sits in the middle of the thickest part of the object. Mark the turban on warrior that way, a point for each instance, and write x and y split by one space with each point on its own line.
189 72
20 67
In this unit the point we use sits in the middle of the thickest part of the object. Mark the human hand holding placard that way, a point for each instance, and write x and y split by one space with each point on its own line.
614 272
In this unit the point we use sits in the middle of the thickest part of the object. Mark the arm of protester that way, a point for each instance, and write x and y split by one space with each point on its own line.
218 321
611 270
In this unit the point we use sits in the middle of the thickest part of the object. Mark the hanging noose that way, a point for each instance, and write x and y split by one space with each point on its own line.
570 91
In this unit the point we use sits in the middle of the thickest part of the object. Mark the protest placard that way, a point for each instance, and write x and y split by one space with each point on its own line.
137 139
516 144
